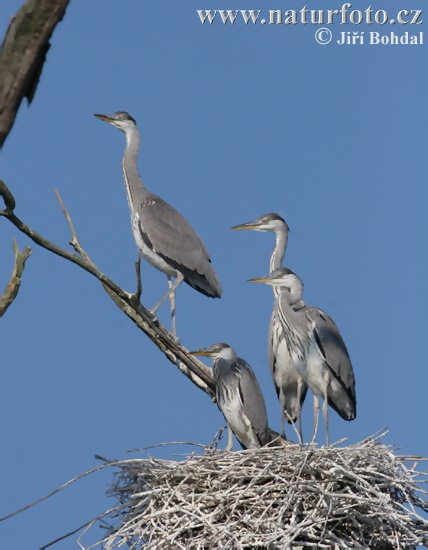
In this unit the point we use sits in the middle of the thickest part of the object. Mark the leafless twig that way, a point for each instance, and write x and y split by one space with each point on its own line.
191 367
360 496
12 289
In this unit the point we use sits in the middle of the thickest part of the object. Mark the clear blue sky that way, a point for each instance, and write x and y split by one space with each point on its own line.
235 122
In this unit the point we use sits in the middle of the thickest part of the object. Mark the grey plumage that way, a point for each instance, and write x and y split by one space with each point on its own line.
239 396
163 236
290 388
317 348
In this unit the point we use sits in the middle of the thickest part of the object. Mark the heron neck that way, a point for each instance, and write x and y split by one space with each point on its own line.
222 370
133 183
295 293
277 256
279 250
291 322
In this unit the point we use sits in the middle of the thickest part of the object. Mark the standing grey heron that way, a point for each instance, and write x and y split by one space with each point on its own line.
289 385
239 397
317 348
163 236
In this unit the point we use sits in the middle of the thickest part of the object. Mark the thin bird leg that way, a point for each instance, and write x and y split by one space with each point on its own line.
137 294
172 302
282 422
299 410
316 412
325 411
282 405
229 438
292 422
177 281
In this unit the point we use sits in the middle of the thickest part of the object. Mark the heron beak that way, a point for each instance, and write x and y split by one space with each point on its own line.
243 226
202 352
266 280
104 117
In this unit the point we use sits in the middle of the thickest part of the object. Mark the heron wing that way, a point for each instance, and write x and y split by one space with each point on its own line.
170 235
252 400
334 351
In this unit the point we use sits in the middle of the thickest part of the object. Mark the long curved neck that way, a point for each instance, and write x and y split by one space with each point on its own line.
133 183
278 255
279 250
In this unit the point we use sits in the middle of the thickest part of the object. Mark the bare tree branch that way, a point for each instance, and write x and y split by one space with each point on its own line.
22 55
12 288
191 367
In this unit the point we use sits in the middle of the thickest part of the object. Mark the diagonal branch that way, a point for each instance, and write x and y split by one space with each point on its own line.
12 289
191 367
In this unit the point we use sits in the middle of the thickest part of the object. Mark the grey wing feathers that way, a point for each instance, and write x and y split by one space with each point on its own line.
336 355
252 400
171 236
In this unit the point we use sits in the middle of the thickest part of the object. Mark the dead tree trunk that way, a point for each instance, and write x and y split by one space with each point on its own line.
23 54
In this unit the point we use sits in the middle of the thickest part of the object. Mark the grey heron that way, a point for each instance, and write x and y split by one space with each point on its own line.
317 348
239 397
289 385
163 236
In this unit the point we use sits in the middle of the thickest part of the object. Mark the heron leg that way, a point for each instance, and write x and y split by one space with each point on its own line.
229 439
282 422
136 297
316 412
179 279
325 413
172 302
283 412
299 410
138 274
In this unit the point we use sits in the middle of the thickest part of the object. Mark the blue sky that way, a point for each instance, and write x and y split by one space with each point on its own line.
235 122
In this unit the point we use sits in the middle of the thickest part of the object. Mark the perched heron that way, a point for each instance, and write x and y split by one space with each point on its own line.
289 385
317 348
239 397
163 236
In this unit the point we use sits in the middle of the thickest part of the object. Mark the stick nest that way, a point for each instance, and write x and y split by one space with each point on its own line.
362 495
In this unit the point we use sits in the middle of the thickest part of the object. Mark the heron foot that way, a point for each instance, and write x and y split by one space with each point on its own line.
175 338
152 315
135 299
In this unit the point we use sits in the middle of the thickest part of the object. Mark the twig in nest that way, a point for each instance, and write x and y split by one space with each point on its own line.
357 496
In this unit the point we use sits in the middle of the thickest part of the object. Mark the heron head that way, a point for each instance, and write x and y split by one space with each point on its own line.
268 222
217 350
282 277
120 119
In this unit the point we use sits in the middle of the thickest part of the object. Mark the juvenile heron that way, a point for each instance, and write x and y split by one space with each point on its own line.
289 385
316 347
239 397
163 236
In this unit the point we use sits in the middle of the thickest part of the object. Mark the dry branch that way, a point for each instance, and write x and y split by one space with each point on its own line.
14 284
23 53
360 496
191 367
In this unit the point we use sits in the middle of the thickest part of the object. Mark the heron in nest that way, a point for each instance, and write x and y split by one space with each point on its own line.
239 397
316 347
289 386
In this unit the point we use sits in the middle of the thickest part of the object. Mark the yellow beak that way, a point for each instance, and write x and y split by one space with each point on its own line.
202 352
104 117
